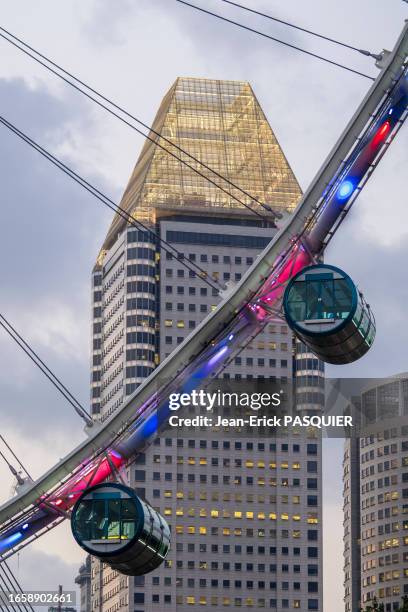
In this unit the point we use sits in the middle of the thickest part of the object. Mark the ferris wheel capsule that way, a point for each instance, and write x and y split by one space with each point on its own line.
110 522
326 311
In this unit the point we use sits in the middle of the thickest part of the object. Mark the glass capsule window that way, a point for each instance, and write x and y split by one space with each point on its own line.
110 518
319 297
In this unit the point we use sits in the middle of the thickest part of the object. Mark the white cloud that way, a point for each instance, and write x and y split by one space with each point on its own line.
57 327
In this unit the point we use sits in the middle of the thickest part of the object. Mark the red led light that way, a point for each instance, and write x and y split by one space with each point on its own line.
382 133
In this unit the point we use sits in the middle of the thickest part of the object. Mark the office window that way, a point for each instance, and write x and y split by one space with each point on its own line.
312 467
312 483
312 552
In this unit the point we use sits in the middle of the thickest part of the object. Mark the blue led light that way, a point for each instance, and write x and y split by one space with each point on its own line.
150 426
345 190
25 526
215 358
390 111
231 336
10 540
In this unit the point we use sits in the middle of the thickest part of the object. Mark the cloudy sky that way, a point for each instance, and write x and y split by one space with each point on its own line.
132 51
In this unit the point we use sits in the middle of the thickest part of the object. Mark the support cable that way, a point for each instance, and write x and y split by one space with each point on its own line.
16 474
16 583
79 409
274 39
14 38
376 56
190 265
15 456
9 587
11 468
5 588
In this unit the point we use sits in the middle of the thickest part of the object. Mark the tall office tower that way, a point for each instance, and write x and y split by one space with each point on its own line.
351 525
245 513
376 499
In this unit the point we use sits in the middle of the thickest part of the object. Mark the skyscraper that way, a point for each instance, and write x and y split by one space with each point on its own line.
376 499
245 514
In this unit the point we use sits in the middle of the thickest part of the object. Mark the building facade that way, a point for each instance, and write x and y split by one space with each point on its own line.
245 513
83 580
376 499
